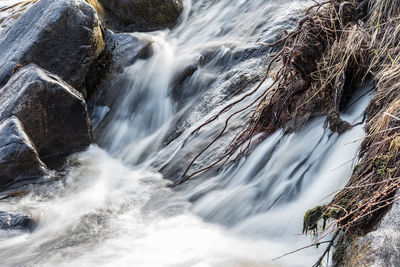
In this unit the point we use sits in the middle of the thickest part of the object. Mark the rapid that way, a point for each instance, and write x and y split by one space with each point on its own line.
114 204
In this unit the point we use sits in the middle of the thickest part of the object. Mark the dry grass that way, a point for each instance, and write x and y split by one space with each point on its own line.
303 84
334 48
99 8
383 10
369 49
337 45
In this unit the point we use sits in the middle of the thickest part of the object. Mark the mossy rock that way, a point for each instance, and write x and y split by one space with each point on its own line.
311 219
336 124
140 15
322 214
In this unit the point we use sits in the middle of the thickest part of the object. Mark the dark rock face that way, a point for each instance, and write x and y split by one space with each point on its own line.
53 114
122 50
18 157
16 221
127 49
141 15
61 36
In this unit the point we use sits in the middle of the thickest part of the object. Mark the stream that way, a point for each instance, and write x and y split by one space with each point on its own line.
113 206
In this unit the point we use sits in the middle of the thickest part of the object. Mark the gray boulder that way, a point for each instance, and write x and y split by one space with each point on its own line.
10 11
54 115
380 247
140 15
62 36
19 159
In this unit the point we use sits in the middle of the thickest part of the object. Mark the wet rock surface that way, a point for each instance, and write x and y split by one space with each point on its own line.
19 159
48 48
141 15
53 114
8 14
62 36
126 49
16 221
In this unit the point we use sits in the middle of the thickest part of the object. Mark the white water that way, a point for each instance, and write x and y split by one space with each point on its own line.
114 209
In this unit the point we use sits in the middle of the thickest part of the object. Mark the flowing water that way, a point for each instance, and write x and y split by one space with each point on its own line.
114 208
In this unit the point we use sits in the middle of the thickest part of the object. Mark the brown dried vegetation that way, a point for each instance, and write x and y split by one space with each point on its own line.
336 46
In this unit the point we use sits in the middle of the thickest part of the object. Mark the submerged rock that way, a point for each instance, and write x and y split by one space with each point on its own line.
54 115
61 36
122 50
16 221
140 15
19 159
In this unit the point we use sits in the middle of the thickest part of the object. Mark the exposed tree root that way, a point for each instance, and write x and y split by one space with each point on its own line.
300 90
337 45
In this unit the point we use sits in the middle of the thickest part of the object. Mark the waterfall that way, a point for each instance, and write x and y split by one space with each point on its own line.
113 206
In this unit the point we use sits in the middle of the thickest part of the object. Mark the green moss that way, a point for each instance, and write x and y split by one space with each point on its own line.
336 124
311 219
381 162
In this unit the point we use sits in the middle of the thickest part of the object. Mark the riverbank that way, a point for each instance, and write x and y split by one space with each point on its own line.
336 46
